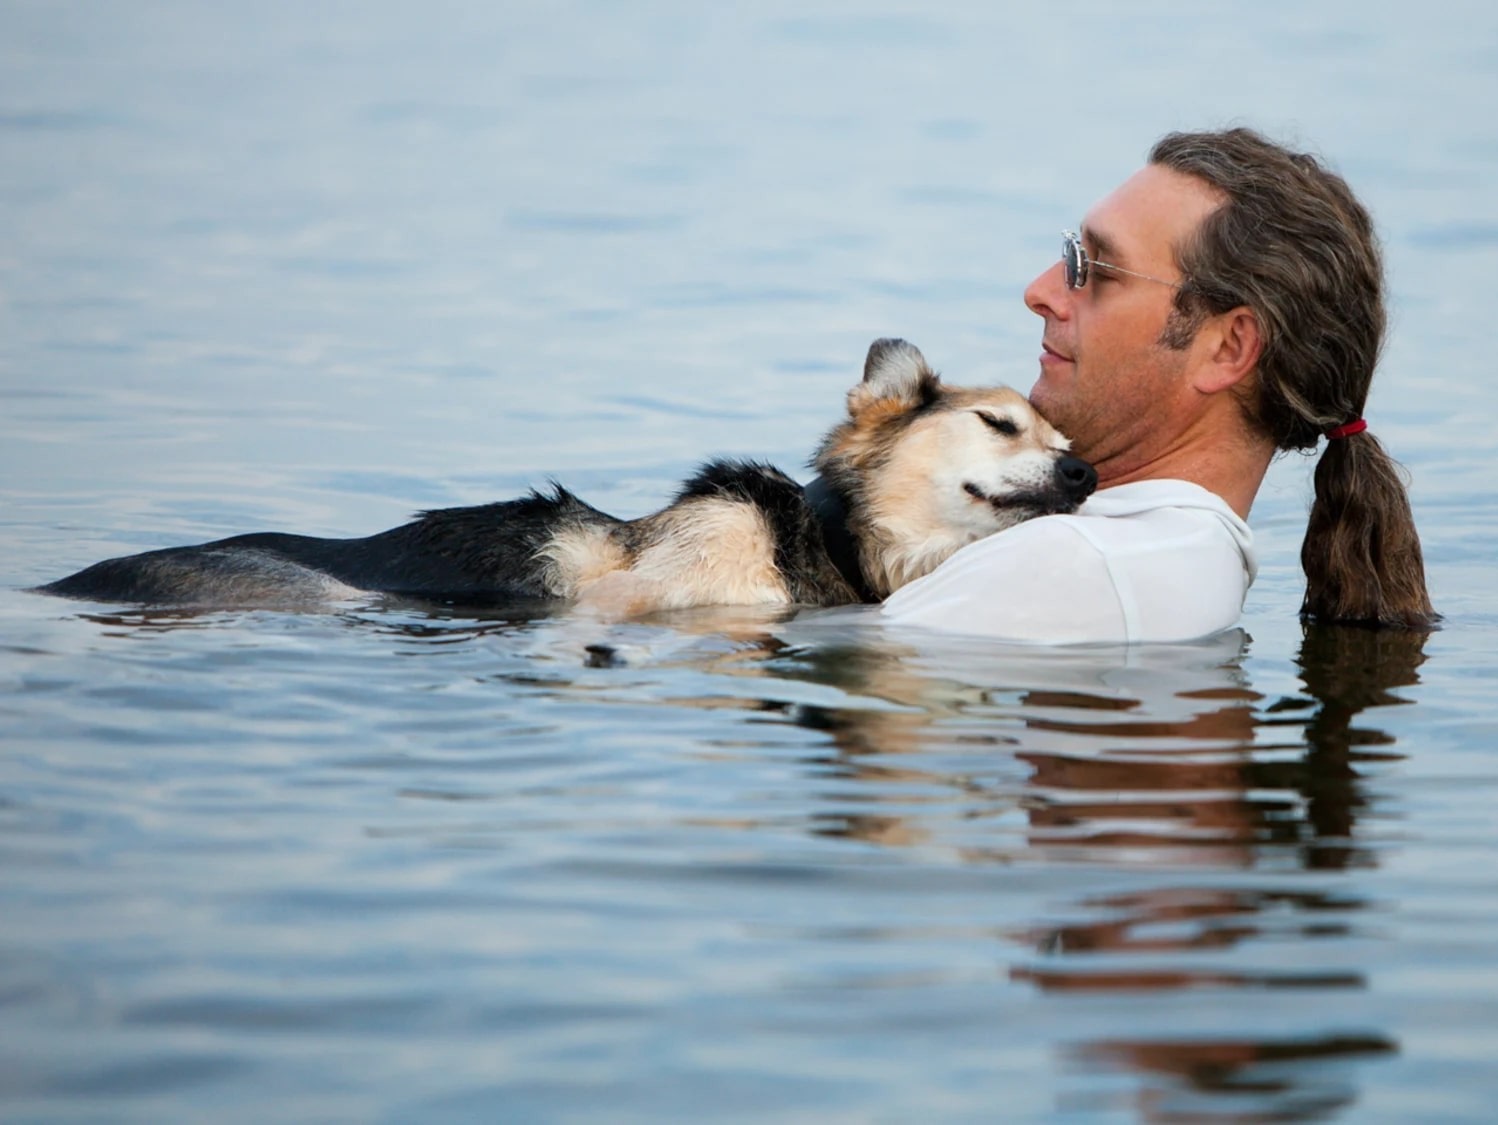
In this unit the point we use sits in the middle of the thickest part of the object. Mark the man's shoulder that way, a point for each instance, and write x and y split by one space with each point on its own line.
1141 512
1136 532
1150 560
1141 496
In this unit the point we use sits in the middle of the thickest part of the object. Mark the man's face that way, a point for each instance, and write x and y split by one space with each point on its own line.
1106 381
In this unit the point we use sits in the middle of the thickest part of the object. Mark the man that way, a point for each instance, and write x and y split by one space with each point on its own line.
1223 304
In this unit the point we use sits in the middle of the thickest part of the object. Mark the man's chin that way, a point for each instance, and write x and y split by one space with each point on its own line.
1047 398
1059 408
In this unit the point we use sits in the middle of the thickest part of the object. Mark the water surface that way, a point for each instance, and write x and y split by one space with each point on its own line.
273 269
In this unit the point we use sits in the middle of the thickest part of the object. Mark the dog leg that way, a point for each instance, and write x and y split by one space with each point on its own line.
622 594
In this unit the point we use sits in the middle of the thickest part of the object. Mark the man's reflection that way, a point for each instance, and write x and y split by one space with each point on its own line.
1153 762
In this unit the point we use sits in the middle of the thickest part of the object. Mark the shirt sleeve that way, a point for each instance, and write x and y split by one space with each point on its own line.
1042 580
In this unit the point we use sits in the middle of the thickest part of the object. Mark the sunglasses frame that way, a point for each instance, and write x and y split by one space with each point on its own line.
1078 267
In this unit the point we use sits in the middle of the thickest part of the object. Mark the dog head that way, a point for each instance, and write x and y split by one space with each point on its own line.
926 468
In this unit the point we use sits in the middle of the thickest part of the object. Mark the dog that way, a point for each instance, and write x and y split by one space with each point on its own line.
915 471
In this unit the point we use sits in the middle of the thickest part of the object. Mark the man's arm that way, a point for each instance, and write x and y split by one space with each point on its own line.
1039 581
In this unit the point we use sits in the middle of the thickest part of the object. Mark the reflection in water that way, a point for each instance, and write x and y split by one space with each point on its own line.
1201 806
1295 1079
1155 762
1346 671
1207 833
417 620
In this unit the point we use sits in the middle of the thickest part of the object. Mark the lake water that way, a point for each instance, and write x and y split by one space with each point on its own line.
312 268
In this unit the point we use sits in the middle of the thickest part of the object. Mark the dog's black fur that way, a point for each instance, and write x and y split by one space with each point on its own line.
455 555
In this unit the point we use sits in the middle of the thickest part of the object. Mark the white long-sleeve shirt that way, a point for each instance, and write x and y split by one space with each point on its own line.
1155 560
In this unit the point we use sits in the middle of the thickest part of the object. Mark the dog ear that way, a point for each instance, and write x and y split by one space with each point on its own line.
895 371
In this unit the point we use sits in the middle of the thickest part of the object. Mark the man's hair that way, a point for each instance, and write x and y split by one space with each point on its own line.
1293 244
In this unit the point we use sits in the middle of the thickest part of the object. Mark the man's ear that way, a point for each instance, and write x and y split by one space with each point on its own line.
1233 343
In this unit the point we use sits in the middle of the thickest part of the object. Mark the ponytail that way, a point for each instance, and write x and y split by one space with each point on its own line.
1293 244
1361 553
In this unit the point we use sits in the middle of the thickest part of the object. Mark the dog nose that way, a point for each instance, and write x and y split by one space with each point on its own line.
1077 477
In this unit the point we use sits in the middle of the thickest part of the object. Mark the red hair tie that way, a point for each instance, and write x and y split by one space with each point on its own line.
1347 429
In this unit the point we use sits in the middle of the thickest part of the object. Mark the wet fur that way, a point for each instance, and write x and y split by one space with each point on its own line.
922 468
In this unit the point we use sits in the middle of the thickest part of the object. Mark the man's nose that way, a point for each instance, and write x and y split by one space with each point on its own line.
1048 295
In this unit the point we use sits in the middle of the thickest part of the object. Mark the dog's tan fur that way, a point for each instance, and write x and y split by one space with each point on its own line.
911 443
701 552
915 443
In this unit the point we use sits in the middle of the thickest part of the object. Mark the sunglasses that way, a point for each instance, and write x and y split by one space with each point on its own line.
1079 266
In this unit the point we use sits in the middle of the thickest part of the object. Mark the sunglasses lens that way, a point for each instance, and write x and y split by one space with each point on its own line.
1074 261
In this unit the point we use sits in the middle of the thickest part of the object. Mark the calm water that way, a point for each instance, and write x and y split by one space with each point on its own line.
262 269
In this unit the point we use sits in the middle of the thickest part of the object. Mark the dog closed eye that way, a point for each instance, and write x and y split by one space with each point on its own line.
1003 425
